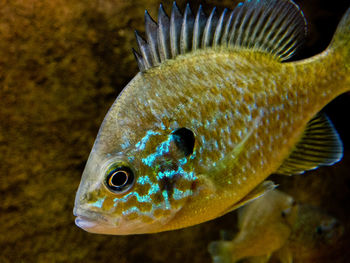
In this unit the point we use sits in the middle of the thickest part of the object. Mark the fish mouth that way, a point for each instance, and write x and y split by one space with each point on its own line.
85 223
89 220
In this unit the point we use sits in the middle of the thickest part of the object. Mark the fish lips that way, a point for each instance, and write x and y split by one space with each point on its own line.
90 221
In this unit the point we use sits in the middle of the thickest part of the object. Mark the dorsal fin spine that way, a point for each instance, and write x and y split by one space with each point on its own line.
175 30
139 60
198 29
219 28
163 34
225 36
151 33
186 30
209 29
268 26
144 49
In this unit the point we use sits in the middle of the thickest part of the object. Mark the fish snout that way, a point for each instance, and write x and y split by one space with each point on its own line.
89 220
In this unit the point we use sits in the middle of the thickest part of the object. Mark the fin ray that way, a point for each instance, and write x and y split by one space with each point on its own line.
319 145
209 30
175 30
163 34
152 37
198 29
186 30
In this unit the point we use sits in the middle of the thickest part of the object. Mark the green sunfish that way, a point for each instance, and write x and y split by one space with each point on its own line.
214 110
264 226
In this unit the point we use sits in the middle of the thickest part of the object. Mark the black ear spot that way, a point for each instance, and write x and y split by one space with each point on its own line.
184 139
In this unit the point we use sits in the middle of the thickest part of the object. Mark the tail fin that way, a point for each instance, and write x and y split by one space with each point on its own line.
341 39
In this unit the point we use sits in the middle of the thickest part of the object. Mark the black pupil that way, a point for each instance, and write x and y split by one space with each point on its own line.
119 178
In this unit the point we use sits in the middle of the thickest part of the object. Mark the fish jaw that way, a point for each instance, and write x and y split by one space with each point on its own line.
98 224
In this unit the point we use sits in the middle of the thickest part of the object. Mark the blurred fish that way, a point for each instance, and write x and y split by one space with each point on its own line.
314 237
276 229
264 226
211 115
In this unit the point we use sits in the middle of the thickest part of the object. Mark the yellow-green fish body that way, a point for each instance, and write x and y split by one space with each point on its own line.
210 117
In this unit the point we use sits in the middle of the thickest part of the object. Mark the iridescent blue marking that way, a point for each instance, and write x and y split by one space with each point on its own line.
207 124
135 209
125 145
180 171
166 199
162 149
196 124
131 210
216 144
154 189
183 161
140 198
99 202
131 158
162 126
178 194
144 180
142 143
189 176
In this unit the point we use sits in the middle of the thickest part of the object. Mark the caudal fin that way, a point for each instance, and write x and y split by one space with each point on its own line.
341 39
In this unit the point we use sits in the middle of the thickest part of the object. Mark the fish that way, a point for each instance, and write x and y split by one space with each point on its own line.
314 238
216 108
275 228
264 227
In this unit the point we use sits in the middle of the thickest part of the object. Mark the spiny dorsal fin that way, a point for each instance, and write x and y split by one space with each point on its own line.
277 27
319 145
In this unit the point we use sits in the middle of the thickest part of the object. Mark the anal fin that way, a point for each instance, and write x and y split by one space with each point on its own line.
319 145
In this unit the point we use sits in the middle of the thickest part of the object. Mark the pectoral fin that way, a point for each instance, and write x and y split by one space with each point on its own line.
319 145
257 192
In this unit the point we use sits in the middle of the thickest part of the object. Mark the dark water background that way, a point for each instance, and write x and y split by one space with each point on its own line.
62 63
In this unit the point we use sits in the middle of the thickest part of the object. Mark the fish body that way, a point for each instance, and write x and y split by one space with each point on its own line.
193 134
264 226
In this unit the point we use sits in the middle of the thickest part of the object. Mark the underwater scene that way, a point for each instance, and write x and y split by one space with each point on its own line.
229 143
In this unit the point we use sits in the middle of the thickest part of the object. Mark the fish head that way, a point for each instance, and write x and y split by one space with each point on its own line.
136 178
315 229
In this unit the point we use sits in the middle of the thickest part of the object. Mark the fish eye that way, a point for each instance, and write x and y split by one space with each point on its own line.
119 179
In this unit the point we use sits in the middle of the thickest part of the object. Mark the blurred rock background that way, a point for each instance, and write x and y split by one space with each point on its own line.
62 64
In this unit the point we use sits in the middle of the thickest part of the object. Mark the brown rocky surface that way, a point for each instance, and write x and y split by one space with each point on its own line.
62 63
